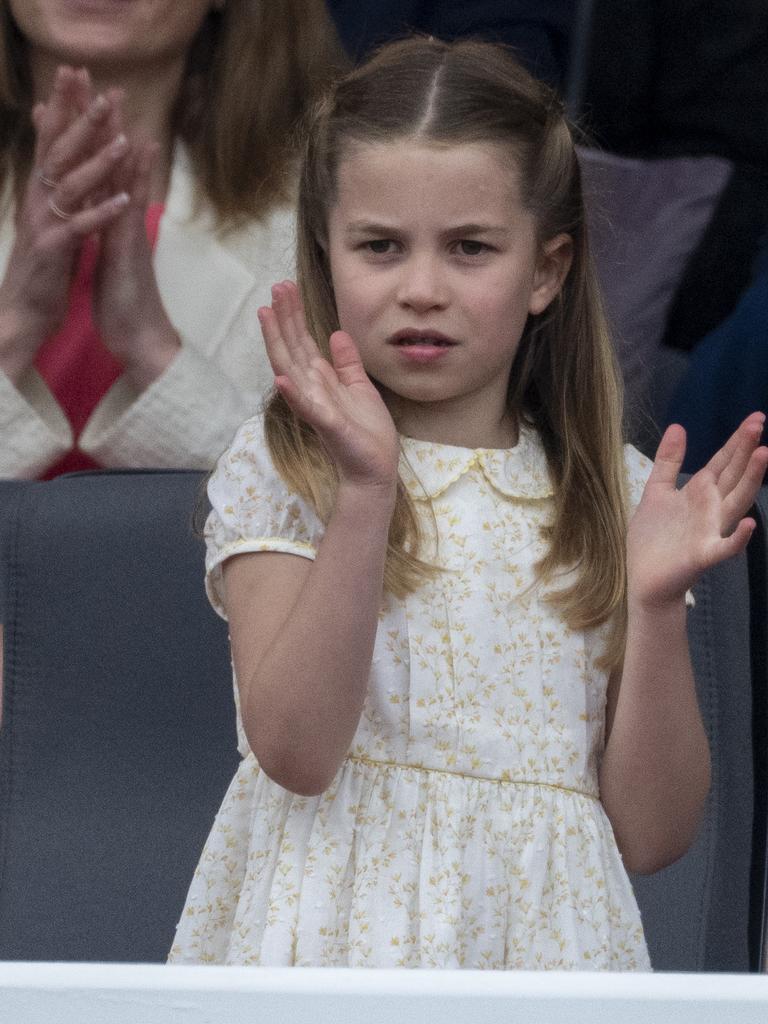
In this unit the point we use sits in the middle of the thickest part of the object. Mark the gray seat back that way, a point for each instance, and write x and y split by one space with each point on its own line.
118 739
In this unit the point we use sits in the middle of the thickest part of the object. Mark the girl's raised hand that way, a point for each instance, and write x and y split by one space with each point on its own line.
337 398
675 535
73 162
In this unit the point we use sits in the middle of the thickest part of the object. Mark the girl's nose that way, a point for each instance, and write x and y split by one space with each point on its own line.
422 285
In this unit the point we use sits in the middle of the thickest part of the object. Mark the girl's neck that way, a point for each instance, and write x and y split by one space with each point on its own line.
149 97
448 423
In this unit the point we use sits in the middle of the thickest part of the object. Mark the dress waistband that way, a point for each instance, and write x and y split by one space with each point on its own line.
504 779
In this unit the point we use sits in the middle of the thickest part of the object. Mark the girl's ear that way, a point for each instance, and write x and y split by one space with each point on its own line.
551 271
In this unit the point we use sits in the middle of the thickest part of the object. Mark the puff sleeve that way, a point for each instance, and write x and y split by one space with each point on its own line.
638 469
253 510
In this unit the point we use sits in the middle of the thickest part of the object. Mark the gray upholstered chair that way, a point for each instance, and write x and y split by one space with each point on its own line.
117 741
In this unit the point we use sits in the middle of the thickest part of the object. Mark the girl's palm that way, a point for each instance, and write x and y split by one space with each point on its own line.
675 535
337 398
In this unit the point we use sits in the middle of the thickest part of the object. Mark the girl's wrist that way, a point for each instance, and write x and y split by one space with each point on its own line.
374 494
367 498
665 611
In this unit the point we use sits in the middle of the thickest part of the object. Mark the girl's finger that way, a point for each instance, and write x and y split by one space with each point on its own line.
277 350
299 322
287 305
742 496
735 544
669 457
721 459
307 403
747 439
346 359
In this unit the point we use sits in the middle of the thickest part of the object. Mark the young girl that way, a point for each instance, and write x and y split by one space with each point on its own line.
463 684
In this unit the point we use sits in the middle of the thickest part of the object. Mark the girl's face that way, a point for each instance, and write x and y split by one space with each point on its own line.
436 266
108 32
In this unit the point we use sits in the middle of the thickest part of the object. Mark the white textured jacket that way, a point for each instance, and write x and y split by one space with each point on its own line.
211 287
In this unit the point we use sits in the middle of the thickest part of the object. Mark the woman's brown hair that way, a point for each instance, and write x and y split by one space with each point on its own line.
564 380
252 71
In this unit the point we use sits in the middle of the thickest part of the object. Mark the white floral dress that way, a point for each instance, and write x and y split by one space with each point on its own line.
464 829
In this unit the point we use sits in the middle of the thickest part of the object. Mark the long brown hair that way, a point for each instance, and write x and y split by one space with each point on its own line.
564 381
251 72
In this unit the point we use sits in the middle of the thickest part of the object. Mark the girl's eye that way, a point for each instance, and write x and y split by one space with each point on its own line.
380 246
469 247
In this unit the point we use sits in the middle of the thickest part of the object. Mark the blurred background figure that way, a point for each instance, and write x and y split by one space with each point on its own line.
146 169
675 93
538 30
727 372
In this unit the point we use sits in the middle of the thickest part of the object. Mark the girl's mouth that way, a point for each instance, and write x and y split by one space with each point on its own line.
421 339
422 347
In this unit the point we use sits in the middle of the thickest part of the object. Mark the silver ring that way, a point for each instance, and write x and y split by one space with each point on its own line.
45 180
61 214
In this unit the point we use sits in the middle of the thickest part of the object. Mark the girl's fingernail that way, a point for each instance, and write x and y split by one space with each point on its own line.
118 145
121 199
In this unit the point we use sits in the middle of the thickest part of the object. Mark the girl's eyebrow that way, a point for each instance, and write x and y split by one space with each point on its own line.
477 229
367 227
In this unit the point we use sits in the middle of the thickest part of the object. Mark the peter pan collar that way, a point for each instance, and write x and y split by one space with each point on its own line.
429 469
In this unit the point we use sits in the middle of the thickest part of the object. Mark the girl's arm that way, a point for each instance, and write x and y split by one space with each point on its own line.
654 775
303 632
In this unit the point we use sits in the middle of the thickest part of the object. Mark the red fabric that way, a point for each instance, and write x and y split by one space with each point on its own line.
76 366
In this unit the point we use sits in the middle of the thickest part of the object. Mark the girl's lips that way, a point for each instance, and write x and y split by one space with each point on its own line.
417 338
422 346
422 351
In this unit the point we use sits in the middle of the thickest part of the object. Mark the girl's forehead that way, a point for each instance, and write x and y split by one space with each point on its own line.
411 171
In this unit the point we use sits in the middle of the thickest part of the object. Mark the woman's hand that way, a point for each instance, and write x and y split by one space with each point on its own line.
127 307
337 398
66 198
675 535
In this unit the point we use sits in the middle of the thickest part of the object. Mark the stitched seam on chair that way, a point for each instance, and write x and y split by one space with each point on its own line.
10 675
711 822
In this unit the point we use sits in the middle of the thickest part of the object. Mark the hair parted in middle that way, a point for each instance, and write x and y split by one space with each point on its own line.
564 380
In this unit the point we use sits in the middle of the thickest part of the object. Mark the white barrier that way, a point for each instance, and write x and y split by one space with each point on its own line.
44 993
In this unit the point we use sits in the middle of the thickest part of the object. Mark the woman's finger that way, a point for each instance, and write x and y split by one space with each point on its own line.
54 116
75 187
95 217
72 146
